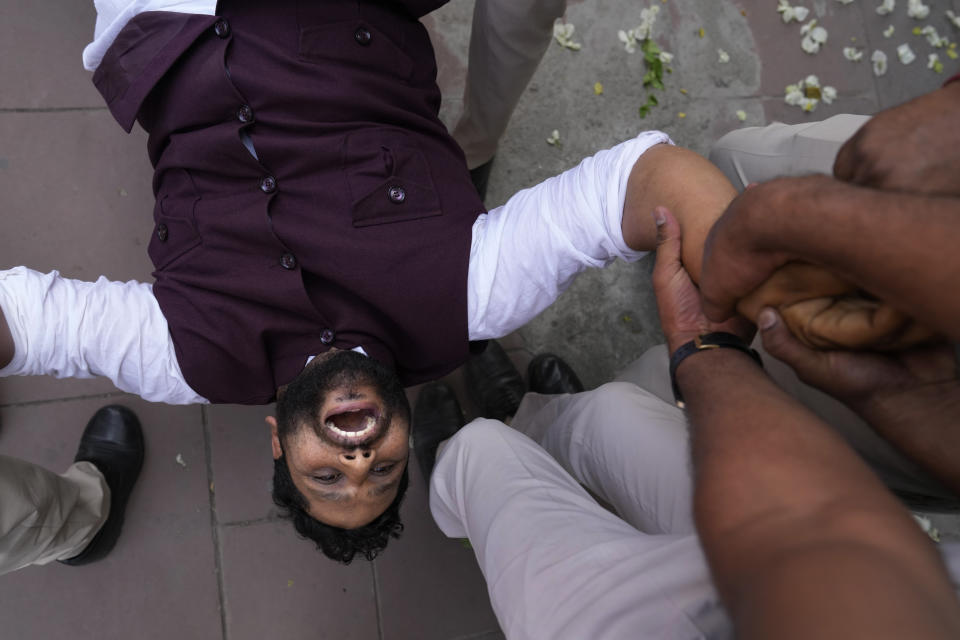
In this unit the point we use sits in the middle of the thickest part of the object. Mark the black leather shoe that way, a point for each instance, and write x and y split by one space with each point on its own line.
494 383
550 374
480 176
436 417
113 442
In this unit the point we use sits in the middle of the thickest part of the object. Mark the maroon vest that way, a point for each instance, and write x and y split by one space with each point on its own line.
352 226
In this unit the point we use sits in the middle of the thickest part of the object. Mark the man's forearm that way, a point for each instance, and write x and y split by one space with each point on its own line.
773 485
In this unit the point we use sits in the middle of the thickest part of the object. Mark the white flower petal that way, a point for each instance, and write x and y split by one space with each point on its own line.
741 115
916 9
888 32
852 54
722 56
828 94
665 57
809 45
954 18
819 34
886 7
905 53
933 37
879 59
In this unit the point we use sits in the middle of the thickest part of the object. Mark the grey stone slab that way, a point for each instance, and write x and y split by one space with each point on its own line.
278 586
17 389
430 586
902 82
602 323
77 195
40 54
785 62
242 461
160 579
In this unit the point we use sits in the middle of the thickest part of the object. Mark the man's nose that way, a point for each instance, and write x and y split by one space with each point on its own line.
357 458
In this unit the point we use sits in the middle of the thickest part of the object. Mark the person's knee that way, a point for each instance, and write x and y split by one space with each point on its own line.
477 431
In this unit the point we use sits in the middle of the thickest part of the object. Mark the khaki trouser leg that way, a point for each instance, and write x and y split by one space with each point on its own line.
758 154
45 516
557 564
623 443
507 41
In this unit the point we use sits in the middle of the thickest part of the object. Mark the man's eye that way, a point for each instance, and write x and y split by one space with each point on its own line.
383 469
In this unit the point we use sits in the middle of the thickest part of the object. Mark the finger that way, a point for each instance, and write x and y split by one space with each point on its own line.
668 246
811 366
718 306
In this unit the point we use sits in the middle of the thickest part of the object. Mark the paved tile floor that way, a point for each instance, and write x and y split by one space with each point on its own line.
203 554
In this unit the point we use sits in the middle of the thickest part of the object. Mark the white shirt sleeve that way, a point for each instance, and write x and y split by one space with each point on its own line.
525 253
73 329
113 16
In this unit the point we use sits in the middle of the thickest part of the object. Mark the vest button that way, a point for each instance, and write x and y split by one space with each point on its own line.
288 261
222 28
162 232
327 336
363 36
397 194
268 184
245 114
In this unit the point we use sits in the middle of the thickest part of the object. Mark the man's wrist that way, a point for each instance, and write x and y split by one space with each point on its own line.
712 368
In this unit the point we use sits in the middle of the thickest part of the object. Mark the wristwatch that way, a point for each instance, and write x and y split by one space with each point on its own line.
714 340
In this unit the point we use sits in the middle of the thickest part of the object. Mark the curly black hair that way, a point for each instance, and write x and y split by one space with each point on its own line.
336 543
297 407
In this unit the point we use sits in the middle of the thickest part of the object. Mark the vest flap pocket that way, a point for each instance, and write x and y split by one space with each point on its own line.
388 177
354 44
172 237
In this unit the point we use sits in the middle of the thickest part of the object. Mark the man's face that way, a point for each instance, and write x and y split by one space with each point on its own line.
349 467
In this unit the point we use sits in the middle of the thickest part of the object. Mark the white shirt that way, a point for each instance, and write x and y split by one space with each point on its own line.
522 256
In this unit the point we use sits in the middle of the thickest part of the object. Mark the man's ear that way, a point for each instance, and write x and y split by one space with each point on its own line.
274 437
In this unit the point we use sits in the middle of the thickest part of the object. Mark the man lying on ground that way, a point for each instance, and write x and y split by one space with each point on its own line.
310 204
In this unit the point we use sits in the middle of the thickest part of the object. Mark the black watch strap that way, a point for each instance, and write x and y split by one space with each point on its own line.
715 340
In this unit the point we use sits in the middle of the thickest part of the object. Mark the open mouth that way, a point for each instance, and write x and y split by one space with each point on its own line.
353 425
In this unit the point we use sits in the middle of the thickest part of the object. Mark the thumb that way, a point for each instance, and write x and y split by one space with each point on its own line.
779 342
668 240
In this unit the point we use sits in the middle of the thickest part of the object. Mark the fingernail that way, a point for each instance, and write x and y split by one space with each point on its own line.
766 319
658 216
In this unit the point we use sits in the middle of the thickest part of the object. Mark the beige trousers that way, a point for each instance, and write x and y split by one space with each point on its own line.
758 154
557 564
45 516
507 41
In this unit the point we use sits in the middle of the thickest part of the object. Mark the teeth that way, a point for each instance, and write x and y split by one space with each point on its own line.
369 425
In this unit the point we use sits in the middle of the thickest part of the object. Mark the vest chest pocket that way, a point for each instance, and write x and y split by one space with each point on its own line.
354 45
388 177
